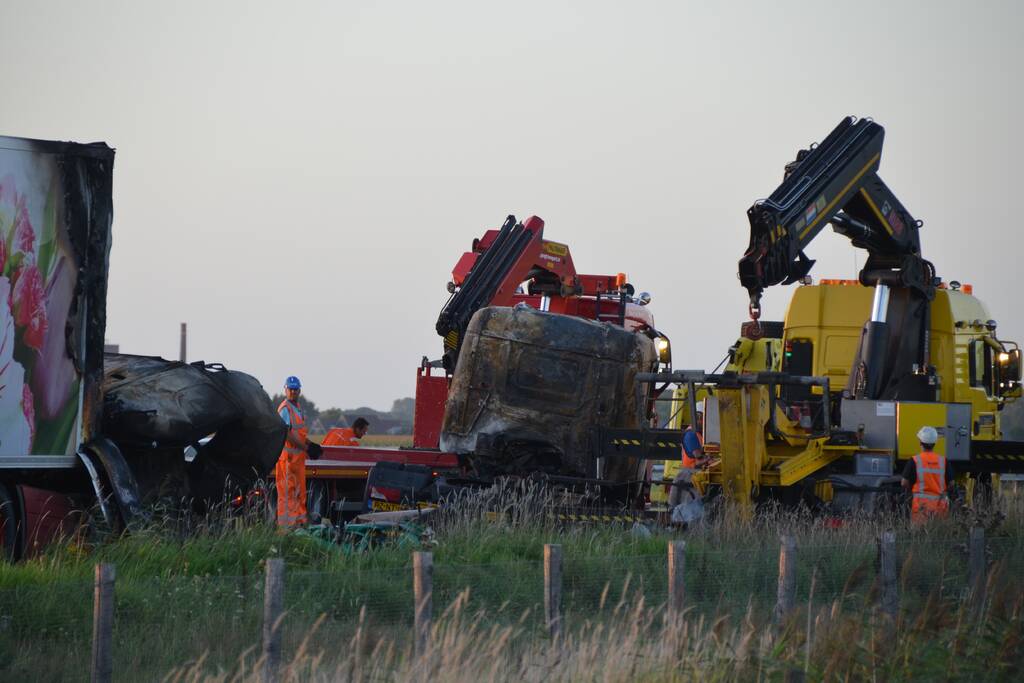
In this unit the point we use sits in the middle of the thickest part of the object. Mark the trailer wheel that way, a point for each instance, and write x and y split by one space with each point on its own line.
8 525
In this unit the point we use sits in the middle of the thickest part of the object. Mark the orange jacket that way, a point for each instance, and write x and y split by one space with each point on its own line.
930 487
340 436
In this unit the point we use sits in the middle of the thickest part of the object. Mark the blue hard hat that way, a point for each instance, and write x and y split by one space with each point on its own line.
292 383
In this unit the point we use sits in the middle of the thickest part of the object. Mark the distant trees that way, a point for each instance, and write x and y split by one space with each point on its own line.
332 417
1013 421
403 408
402 411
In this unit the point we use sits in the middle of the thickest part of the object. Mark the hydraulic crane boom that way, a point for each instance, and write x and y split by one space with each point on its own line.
837 182
834 182
512 264
491 275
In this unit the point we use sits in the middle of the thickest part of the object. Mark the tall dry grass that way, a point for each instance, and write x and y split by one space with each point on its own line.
622 630
190 600
638 641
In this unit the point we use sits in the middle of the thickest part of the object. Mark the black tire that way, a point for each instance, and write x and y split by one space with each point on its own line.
9 522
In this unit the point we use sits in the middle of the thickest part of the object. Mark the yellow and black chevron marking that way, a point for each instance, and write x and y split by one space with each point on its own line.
652 444
571 517
576 517
997 456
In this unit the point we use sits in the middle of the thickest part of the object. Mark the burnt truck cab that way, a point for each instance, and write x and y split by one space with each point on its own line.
533 389
557 350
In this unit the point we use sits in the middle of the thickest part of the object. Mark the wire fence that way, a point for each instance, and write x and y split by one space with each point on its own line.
48 630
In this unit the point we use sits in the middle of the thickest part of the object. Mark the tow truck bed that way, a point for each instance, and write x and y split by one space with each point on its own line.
354 462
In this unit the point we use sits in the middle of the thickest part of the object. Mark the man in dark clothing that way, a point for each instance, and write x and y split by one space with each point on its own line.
693 458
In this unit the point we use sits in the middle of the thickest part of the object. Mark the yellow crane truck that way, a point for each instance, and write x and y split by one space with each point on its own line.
824 405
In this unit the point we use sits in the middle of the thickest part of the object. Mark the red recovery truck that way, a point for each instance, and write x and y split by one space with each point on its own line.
510 266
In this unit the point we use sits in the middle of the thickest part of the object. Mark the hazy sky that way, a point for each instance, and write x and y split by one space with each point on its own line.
297 179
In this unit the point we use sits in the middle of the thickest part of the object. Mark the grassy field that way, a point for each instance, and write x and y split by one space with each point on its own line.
389 440
378 440
189 602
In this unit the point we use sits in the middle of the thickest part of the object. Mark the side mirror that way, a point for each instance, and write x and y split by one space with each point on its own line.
664 348
1009 376
643 298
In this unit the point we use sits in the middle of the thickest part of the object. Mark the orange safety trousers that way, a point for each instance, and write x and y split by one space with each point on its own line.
290 474
929 488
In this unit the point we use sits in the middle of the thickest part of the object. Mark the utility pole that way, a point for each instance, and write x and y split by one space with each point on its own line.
184 338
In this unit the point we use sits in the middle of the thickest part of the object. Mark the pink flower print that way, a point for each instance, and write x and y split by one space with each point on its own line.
28 407
24 234
54 373
30 306
13 423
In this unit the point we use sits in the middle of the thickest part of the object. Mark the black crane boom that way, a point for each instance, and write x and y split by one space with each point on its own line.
836 182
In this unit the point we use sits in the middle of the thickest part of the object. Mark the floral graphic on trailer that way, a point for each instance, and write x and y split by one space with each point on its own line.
38 381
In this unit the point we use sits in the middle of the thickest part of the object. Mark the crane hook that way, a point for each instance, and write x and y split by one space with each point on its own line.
754 332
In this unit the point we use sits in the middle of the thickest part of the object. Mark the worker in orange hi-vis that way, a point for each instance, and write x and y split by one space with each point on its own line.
290 473
347 436
928 476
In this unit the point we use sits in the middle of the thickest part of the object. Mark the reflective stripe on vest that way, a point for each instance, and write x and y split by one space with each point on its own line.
689 461
297 423
930 486
931 475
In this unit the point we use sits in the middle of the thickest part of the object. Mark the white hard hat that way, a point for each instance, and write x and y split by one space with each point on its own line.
927 435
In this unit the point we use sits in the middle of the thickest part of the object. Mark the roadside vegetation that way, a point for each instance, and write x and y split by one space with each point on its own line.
189 601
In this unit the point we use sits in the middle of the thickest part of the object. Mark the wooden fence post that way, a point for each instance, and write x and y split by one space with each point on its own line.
103 624
676 580
553 588
786 596
976 565
887 568
273 604
423 594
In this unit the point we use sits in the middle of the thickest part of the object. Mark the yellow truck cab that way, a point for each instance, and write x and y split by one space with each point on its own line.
973 369
975 375
824 405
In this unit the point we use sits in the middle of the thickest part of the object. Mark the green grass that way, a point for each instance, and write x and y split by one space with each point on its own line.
185 595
